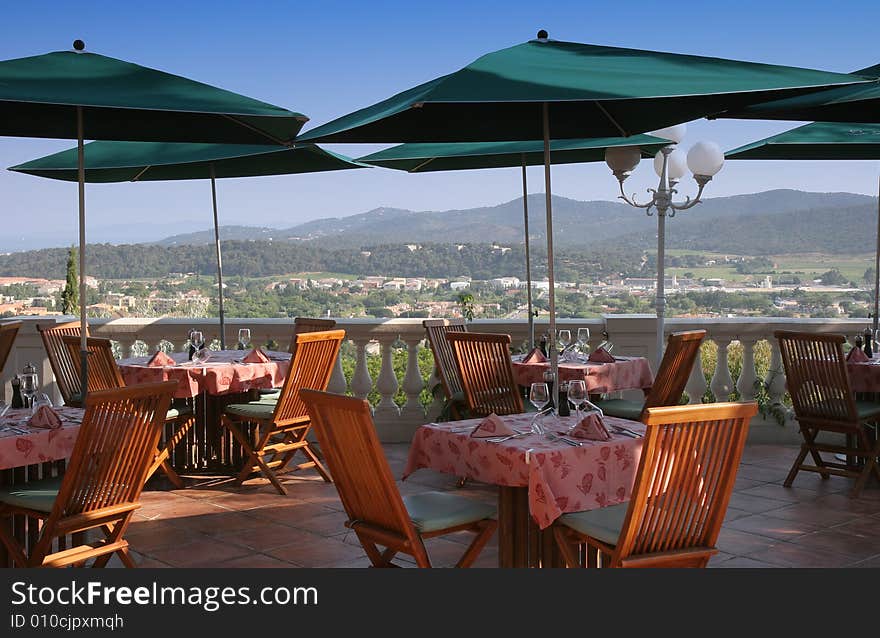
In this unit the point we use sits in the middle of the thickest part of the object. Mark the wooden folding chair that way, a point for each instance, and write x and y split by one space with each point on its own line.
683 484
444 361
63 366
483 363
823 401
104 374
284 424
682 350
376 512
103 482
8 332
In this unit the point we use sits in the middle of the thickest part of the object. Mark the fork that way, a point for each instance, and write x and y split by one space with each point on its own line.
501 439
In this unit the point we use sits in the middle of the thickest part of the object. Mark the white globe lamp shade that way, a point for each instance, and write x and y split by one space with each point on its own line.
622 159
676 165
674 134
705 158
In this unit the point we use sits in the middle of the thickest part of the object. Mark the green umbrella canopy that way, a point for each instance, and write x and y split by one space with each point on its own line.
856 103
816 141
593 91
157 161
425 157
124 101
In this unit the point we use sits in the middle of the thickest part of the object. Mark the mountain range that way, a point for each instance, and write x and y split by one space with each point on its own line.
758 223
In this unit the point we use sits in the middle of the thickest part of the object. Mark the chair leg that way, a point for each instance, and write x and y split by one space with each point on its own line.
569 555
806 448
870 463
307 450
486 529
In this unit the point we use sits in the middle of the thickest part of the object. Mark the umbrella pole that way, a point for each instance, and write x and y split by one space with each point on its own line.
877 266
660 299
219 260
551 340
83 328
528 256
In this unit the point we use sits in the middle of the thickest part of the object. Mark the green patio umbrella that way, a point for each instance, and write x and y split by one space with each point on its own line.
856 103
824 141
159 161
79 95
584 90
453 156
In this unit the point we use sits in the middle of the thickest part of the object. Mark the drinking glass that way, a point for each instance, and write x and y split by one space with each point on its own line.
197 339
583 340
244 338
577 396
539 396
30 383
564 338
40 399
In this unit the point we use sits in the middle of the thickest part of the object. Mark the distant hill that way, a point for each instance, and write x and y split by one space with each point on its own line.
576 223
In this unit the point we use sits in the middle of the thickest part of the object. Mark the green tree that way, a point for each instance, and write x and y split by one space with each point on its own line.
70 295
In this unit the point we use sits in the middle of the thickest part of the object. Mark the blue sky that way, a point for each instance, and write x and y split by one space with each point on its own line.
327 58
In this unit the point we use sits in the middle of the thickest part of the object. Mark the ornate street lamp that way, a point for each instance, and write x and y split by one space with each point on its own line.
704 160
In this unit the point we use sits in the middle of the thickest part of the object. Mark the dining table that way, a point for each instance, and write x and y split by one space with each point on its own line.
539 476
33 453
208 386
624 373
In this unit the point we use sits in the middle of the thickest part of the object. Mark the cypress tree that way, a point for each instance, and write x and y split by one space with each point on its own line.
70 295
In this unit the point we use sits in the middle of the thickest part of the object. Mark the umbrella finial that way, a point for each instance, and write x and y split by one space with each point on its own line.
543 36
79 45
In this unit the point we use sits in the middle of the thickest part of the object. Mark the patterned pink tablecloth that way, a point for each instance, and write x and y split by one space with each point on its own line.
626 373
29 446
222 373
864 377
561 478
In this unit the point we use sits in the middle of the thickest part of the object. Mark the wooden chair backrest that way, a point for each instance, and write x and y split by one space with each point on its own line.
302 325
65 368
8 332
104 374
483 362
344 427
444 357
685 477
682 350
311 367
114 447
816 376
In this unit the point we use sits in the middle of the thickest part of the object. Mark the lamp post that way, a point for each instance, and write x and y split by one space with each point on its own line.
704 160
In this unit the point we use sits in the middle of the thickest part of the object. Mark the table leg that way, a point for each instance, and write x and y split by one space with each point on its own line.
521 543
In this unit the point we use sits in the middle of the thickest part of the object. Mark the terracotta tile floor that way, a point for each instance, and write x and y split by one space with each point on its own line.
214 523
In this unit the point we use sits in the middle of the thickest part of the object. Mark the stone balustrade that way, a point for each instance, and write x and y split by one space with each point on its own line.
631 334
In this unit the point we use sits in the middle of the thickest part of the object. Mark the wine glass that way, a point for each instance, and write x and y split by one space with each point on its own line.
244 338
196 340
30 383
539 396
564 338
40 399
577 396
583 340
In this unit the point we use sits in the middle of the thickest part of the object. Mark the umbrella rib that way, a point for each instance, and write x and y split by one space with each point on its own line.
141 173
269 136
419 167
623 132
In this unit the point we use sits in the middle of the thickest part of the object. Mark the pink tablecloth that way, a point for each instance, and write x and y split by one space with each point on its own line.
37 445
626 373
220 374
561 478
864 377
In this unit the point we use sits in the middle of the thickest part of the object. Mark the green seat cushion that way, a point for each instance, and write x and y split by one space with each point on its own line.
36 495
866 409
269 392
177 411
432 511
621 408
603 524
253 410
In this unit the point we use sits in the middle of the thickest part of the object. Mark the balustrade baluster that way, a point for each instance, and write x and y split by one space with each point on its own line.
696 386
722 382
413 384
775 379
386 383
747 376
337 383
361 382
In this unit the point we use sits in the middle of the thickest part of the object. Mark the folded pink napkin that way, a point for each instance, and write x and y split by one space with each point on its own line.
857 355
45 417
492 425
256 355
592 428
161 359
601 355
535 356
